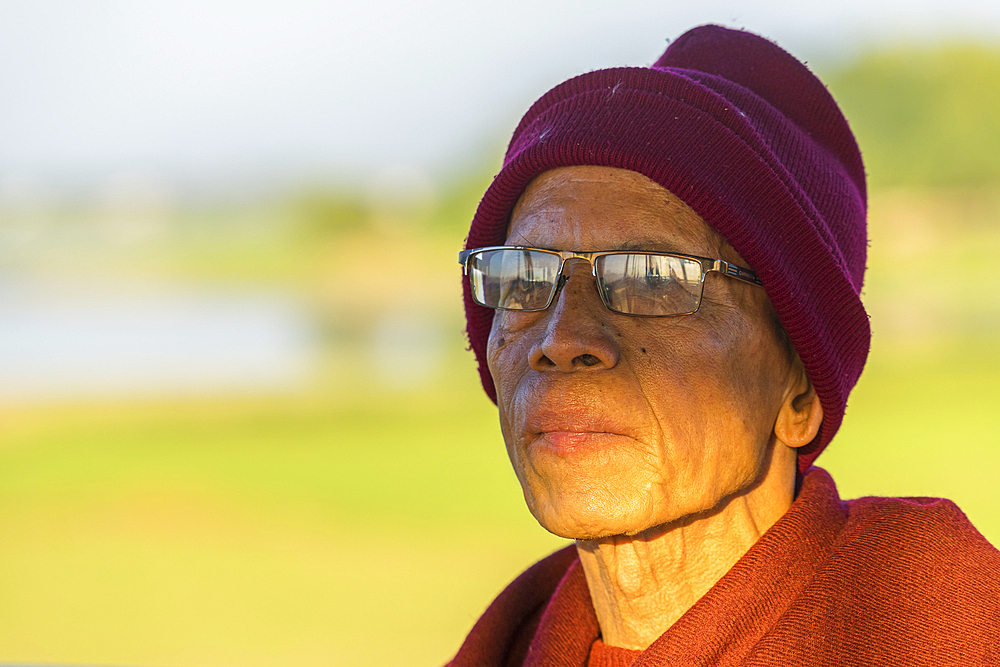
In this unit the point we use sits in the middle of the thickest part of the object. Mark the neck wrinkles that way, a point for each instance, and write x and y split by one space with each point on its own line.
641 585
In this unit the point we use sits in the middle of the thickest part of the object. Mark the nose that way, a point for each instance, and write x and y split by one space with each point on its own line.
576 335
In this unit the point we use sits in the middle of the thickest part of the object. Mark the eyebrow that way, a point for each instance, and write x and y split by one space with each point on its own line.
625 246
648 246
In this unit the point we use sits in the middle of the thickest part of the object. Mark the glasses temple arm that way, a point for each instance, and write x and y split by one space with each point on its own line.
736 271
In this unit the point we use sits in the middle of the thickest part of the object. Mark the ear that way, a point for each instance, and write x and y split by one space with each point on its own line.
801 413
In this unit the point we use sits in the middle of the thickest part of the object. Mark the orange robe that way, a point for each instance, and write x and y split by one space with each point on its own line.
873 581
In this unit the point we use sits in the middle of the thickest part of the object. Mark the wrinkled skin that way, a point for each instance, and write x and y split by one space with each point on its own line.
614 424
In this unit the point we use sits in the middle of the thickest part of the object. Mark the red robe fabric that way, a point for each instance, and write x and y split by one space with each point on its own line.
873 581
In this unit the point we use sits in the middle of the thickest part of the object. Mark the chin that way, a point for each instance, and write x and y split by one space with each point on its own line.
595 518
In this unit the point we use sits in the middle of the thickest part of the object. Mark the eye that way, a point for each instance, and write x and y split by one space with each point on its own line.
526 293
656 280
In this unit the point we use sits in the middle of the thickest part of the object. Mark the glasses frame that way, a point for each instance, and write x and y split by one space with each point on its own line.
708 264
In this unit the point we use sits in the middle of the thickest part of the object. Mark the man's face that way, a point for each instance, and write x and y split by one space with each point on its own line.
617 424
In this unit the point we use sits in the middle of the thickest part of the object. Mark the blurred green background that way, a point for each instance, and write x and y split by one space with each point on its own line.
351 502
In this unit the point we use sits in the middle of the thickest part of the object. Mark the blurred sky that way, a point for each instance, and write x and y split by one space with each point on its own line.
212 95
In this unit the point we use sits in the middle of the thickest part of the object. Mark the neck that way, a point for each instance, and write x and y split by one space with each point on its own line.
642 584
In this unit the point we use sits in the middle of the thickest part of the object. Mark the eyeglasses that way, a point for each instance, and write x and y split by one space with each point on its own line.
647 284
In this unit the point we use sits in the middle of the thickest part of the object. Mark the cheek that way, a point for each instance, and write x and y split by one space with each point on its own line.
751 377
507 368
757 372
676 364
712 383
498 360
507 352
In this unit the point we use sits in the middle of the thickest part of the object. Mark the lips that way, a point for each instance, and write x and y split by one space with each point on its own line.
567 443
565 431
570 422
569 413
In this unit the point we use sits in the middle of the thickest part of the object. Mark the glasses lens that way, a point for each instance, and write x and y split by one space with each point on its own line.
513 279
654 285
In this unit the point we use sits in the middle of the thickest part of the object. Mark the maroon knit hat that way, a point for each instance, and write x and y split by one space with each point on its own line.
751 140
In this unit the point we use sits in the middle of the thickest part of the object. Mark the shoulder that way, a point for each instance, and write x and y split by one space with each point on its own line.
916 573
905 581
502 634
918 530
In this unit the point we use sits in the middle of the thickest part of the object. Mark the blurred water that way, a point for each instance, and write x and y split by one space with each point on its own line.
407 348
69 340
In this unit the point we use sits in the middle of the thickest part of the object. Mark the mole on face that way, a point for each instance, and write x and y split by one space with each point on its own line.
643 350
500 342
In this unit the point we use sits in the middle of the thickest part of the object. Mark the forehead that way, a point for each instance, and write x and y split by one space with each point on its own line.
602 208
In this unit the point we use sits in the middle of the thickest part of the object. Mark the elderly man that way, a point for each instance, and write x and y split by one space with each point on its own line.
662 292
